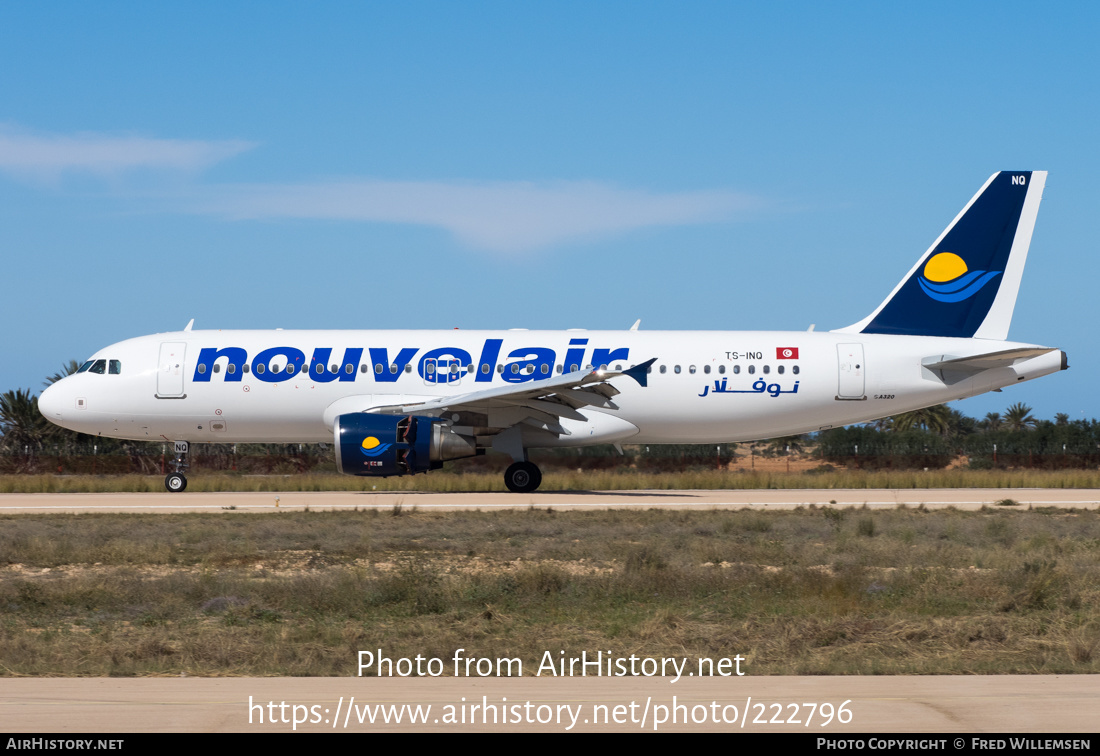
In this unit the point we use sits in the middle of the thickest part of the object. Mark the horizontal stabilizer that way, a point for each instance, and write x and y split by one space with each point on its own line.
977 363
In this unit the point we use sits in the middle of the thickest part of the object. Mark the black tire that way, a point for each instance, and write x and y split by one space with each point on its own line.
175 482
523 477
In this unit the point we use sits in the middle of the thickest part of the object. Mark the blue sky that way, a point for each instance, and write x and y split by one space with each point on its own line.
540 165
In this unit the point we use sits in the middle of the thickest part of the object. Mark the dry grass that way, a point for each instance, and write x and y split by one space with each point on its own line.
811 591
585 480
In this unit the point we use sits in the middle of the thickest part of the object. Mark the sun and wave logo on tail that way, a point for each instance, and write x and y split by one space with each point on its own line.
372 447
947 279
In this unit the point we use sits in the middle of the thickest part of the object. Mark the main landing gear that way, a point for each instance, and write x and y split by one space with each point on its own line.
176 481
522 477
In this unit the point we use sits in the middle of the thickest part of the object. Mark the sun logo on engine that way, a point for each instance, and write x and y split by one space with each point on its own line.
947 279
372 447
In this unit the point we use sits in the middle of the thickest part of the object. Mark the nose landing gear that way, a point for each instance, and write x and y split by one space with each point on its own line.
176 481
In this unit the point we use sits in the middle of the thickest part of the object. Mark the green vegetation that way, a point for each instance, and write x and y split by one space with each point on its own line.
811 591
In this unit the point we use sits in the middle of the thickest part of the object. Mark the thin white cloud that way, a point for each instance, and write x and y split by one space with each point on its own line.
498 216
45 157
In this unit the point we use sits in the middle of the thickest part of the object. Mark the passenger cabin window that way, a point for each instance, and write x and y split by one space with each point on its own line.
260 369
779 370
691 369
736 369
706 369
231 368
722 369
752 369
767 369
663 369
794 369
676 369
114 367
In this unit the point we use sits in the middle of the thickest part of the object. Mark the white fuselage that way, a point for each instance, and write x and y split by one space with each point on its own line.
705 386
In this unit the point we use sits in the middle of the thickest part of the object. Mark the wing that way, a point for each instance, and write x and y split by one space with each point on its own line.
540 404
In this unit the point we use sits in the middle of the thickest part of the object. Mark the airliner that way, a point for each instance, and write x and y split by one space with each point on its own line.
404 402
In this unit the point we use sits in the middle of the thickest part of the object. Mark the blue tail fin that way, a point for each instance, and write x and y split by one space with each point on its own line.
965 285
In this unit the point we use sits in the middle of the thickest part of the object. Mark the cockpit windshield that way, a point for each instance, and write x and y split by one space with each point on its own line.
111 367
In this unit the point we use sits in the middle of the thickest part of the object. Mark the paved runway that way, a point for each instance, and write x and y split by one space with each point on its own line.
997 704
961 498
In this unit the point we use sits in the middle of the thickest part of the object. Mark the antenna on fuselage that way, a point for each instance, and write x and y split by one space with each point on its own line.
190 323
637 323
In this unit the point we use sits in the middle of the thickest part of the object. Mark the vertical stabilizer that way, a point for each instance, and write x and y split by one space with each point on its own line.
966 284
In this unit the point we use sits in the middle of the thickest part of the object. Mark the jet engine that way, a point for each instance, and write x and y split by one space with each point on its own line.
385 445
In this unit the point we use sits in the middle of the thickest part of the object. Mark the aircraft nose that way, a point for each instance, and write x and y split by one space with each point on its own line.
50 403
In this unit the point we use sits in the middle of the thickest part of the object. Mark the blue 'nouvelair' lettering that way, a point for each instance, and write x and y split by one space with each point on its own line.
529 363
443 356
319 370
489 354
382 357
533 357
208 356
261 364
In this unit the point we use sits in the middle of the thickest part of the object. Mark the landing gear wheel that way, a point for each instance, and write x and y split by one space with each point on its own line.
175 482
522 477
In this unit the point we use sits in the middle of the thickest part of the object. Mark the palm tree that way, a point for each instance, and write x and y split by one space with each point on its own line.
66 370
992 421
960 425
882 424
21 422
1018 417
1061 418
936 419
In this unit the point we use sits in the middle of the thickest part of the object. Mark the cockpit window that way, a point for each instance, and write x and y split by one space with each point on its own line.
114 367
85 366
99 366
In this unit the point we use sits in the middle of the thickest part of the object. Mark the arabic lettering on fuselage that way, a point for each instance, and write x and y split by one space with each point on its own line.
441 364
759 386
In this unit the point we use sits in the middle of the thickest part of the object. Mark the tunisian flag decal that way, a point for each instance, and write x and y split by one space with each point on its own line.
786 353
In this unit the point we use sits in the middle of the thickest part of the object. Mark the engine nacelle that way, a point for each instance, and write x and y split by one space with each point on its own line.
369 444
